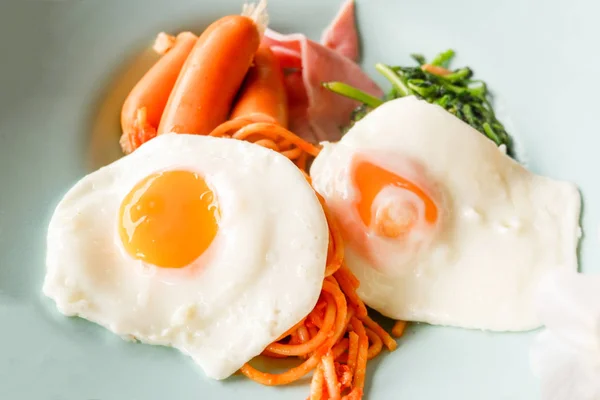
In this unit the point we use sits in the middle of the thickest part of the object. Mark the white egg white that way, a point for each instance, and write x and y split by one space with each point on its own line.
501 227
260 276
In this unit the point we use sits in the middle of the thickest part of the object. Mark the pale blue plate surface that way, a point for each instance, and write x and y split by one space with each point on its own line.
65 66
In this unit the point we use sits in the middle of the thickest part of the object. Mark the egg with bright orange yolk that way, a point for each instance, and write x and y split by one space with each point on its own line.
440 225
169 219
213 246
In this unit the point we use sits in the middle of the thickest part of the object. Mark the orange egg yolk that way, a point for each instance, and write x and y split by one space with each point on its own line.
169 219
393 219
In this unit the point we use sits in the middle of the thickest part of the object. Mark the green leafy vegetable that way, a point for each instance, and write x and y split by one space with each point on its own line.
353 93
419 58
359 113
396 80
443 59
454 90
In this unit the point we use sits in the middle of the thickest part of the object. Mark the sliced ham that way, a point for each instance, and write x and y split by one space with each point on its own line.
341 34
288 58
298 120
316 113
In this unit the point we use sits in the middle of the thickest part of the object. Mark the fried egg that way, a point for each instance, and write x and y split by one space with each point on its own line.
213 246
440 225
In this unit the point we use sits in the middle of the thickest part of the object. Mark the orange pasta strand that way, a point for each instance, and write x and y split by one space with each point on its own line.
362 356
316 384
303 334
254 129
312 344
350 276
398 329
352 350
376 344
337 242
389 341
331 380
284 378
350 292
332 339
340 348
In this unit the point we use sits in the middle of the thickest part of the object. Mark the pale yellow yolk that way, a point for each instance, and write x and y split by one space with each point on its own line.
393 219
169 219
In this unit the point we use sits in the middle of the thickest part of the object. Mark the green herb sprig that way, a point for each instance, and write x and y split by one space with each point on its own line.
454 90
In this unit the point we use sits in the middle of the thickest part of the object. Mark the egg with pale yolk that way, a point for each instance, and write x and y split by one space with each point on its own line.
440 225
389 205
213 246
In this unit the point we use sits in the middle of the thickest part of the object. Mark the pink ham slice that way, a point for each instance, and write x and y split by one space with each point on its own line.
341 35
316 114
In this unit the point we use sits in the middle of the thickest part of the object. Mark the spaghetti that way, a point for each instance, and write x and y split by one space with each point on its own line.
337 338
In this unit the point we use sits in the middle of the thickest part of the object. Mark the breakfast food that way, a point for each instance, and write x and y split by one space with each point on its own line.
173 97
218 245
455 90
263 95
213 246
440 225
317 114
212 75
210 237
146 102
341 34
